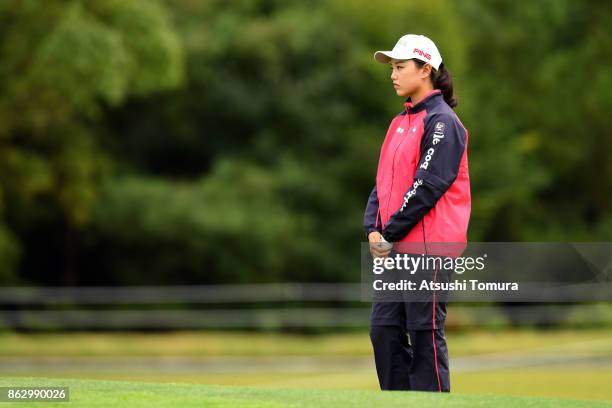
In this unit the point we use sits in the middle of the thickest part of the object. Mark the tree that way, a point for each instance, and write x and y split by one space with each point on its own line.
62 63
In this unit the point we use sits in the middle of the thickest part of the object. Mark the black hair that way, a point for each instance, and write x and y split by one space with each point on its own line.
441 79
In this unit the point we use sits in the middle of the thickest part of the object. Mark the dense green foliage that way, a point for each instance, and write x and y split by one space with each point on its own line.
204 142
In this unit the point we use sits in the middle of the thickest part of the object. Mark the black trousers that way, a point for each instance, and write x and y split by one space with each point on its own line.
408 339
414 360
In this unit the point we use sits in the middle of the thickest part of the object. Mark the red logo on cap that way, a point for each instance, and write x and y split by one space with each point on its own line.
421 53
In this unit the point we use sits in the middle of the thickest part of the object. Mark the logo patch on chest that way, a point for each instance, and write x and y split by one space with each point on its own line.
400 130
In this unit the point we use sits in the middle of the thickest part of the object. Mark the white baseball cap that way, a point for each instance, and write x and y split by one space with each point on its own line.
412 46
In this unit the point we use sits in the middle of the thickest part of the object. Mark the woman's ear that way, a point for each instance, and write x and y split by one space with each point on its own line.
426 71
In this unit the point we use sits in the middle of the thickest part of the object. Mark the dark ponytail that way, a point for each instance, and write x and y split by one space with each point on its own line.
441 79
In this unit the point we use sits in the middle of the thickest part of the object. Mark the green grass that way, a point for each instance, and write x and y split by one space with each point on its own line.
573 382
210 343
93 393
559 382
588 382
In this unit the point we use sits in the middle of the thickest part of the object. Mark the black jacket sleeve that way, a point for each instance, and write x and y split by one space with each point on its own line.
371 213
442 148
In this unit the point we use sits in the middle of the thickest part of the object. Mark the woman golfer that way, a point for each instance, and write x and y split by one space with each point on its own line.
421 196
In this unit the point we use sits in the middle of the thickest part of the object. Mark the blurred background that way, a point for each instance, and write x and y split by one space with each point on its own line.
183 182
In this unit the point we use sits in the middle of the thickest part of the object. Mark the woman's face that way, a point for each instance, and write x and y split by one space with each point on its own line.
407 77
